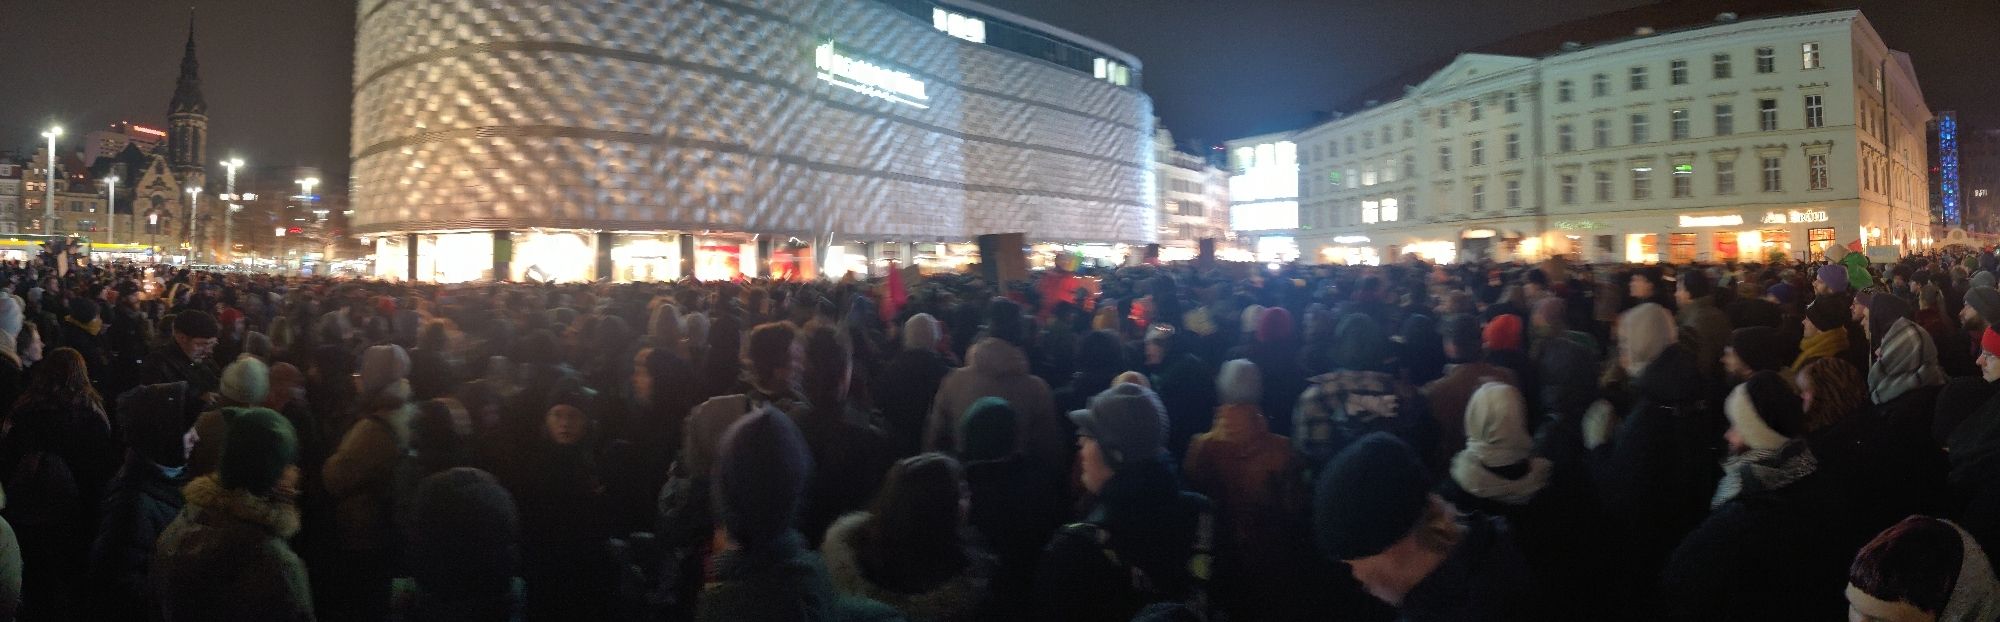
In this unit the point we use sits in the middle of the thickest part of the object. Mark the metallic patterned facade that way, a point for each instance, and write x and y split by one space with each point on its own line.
691 115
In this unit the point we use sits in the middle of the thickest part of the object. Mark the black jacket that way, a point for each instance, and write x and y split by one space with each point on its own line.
1484 578
139 504
168 363
849 462
904 392
1186 386
1656 474
1016 508
1144 518
1885 462
1766 555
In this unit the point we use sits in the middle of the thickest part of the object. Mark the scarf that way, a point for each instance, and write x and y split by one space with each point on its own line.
1823 345
92 328
1976 595
1496 438
1759 470
1909 360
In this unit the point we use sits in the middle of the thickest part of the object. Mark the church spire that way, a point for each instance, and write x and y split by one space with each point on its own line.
187 92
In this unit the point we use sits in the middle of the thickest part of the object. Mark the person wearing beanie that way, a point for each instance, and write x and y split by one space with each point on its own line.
1141 516
464 557
1825 330
1701 321
83 331
1779 529
1373 510
1830 278
185 357
763 570
245 382
997 366
1358 397
1754 349
1014 505
141 500
1982 308
358 476
907 385
1247 471
1100 358
1471 368
1923 568
1182 380
225 557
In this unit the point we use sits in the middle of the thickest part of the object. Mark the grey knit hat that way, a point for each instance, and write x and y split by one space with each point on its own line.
1127 421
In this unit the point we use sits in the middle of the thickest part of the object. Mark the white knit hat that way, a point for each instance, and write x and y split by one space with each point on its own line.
1240 383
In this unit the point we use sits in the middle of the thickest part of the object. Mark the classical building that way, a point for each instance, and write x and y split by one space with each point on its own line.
1193 199
1732 139
609 139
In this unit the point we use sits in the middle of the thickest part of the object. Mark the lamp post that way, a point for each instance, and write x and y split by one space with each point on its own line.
229 211
111 211
49 180
194 195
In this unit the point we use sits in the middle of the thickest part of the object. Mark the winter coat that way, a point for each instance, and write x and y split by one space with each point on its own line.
360 472
849 462
1284 380
225 558
1484 577
1974 450
167 363
995 368
1960 399
1746 312
1885 462
1186 386
1447 398
1656 474
1344 405
950 599
780 581
1251 475
141 502
904 393
1768 554
88 340
1135 548
1016 506
1082 386
1705 332
431 374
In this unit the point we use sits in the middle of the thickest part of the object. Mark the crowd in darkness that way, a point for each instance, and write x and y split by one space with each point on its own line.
1552 441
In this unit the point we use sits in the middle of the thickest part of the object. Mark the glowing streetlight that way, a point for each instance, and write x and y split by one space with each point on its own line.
194 195
229 213
49 179
111 212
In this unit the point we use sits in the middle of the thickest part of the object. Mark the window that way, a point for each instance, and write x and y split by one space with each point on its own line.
1513 146
1408 206
1478 197
1642 182
1767 60
968 28
1317 153
1677 72
1815 112
1600 133
1638 78
1565 91
1683 180
1474 109
1388 170
1816 177
1353 179
1367 141
1478 152
1409 166
1567 183
1681 125
1513 194
1444 118
1774 180
76 206
1603 180
1725 177
1600 85
1725 119
1386 136
1368 177
1444 158
1333 177
1370 212
1809 56
1388 210
1639 127
1565 138
1721 62
1409 129
1112 71
1350 145
1767 115
1508 103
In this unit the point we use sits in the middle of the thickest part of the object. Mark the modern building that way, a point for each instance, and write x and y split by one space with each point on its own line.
1194 200
1965 174
107 143
1732 139
604 139
1264 194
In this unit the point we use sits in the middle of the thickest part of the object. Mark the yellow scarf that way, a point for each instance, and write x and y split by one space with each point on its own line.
1822 345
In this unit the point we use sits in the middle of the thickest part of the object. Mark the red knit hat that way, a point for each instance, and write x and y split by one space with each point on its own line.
1989 342
1503 333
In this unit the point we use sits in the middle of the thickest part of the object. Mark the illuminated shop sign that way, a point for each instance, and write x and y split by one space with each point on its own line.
1578 224
1730 220
1794 216
1351 239
869 78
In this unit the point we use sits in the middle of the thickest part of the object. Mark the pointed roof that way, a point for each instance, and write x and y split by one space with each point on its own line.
187 91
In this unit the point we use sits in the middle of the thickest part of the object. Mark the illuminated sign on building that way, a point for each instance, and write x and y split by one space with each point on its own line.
1578 224
968 28
869 78
147 130
1351 239
1792 216
1730 220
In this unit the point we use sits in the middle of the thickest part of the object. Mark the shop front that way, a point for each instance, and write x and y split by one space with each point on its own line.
1749 236
1350 250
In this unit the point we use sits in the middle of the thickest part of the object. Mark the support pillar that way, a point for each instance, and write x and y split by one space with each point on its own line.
605 271
763 269
503 254
868 259
410 257
687 255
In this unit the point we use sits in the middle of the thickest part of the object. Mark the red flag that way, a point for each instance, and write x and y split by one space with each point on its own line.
893 301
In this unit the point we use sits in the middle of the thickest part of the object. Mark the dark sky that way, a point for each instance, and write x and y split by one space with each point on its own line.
277 73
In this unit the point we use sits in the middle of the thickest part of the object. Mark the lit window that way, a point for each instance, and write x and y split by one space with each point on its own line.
1600 85
1642 182
1513 194
1638 78
1721 63
1639 128
1725 177
1565 138
1568 185
1815 112
1603 182
1809 56
1725 119
1478 152
1681 125
1818 177
1371 211
1677 71
1353 179
1112 71
1368 177
1389 210
968 28
1683 180
1774 180
1478 197
1767 115
1767 60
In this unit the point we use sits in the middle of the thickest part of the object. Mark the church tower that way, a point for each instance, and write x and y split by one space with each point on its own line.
187 120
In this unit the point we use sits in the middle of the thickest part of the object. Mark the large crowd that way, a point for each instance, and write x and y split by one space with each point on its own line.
1476 441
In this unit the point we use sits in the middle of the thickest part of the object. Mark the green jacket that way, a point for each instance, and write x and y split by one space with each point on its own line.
1857 271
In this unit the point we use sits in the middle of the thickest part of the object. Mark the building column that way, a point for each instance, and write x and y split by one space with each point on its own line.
503 254
687 255
763 268
605 271
868 259
410 257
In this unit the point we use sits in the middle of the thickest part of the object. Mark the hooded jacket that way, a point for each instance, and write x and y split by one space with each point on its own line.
1773 552
996 368
1250 474
225 558
1909 361
1498 461
952 599
360 472
139 505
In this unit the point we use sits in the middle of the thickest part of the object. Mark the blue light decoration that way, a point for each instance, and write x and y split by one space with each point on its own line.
1948 166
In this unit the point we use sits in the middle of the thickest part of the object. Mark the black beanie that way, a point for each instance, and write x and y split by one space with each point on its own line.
1830 311
84 310
760 475
1696 283
1369 497
1762 347
196 324
153 424
258 446
1776 403
987 430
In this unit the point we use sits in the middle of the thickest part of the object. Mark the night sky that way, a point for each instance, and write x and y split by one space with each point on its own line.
277 73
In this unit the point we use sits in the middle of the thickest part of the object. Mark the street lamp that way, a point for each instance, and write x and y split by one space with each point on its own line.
111 213
49 203
194 195
229 213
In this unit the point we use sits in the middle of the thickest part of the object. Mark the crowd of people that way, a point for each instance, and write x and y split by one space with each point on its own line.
1474 441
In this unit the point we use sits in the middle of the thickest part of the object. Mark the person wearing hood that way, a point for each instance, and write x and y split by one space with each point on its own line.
1825 330
1145 540
910 382
358 476
997 366
1497 471
225 557
1904 470
1464 344
1855 264
1657 468
1773 544
1183 382
1703 326
1252 476
433 374
1359 396
764 570
141 500
1922 568
1753 349
464 559
245 382
909 550
1374 511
